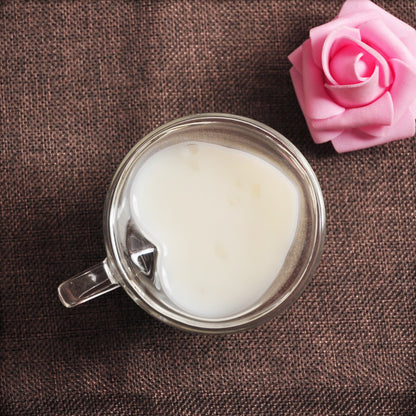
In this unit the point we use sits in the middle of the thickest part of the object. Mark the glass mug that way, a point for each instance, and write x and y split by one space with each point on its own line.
130 261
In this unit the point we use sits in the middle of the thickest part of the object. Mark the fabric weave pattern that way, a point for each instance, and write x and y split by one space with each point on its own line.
80 84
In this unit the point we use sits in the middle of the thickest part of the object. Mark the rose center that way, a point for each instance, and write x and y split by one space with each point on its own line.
351 65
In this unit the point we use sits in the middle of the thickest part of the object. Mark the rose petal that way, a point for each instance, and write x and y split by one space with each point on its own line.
322 136
296 58
318 104
318 34
318 137
397 26
377 34
339 39
403 128
336 37
412 108
410 43
403 89
375 131
351 66
351 6
336 41
378 113
297 82
357 95
351 140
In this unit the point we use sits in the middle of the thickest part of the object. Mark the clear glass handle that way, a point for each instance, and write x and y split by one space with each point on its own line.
87 285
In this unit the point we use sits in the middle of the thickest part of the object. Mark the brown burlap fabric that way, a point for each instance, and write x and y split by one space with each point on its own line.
80 83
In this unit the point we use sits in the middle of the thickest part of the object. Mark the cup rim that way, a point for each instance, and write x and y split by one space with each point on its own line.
217 325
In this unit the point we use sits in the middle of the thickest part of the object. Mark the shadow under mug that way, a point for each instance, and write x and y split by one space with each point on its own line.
130 257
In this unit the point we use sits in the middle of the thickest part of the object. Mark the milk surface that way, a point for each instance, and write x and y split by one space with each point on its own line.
222 221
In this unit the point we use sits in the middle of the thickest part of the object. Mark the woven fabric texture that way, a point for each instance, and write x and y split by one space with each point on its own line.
80 83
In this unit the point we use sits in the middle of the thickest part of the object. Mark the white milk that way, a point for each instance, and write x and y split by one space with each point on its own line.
222 221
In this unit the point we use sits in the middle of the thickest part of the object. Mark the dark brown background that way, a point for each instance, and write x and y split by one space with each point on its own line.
80 83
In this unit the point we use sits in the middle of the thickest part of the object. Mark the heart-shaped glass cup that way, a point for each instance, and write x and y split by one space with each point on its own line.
130 261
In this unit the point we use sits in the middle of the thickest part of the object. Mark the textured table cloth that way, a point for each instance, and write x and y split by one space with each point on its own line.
80 83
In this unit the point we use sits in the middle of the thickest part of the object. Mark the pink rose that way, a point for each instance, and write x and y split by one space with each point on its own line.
355 78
